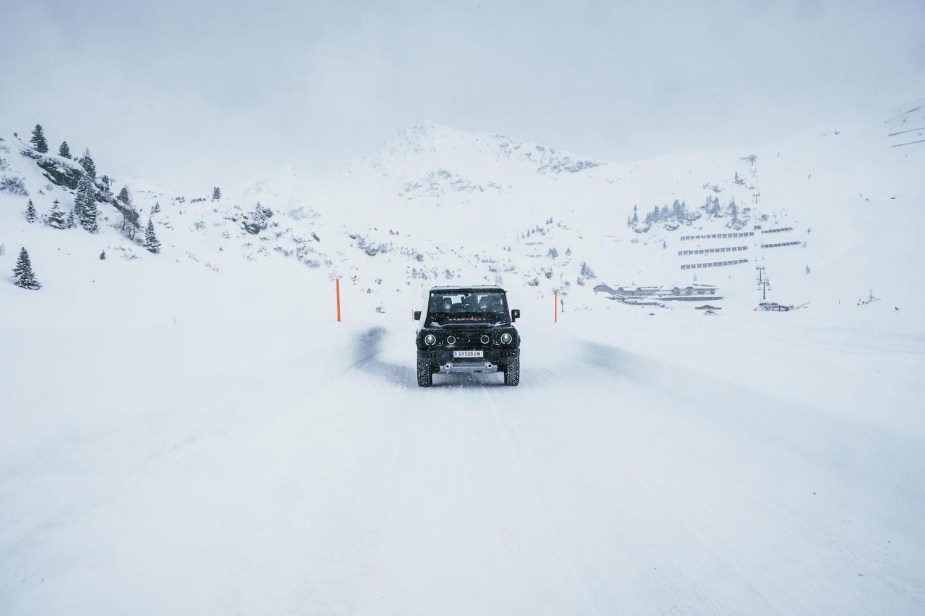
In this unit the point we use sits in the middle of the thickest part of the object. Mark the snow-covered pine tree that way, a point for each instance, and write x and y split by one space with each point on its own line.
733 210
86 161
23 273
151 241
86 204
38 139
257 221
130 215
70 223
216 193
55 217
30 212
157 208
64 150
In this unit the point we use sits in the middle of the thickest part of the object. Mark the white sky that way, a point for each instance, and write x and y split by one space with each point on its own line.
200 93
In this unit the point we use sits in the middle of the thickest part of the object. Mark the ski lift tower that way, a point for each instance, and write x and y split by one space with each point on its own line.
763 283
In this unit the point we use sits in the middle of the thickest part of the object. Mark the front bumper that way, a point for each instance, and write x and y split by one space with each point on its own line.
492 360
468 367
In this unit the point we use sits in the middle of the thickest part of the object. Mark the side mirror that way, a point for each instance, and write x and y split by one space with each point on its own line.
417 315
515 314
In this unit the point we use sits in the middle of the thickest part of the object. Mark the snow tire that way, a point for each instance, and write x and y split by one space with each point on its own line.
512 372
425 376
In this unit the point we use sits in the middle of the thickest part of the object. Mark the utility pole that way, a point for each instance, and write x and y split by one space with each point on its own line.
763 283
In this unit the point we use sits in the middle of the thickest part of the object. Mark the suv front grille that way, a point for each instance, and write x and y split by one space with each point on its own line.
470 339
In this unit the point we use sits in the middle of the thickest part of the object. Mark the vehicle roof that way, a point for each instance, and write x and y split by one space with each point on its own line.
475 287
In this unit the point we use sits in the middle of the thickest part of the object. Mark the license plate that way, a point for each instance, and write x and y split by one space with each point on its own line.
464 354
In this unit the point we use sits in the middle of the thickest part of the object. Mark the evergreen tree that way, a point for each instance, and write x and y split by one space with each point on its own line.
70 223
635 218
23 273
86 161
64 150
130 215
56 217
733 210
257 221
85 204
30 212
216 193
157 208
38 139
103 256
151 241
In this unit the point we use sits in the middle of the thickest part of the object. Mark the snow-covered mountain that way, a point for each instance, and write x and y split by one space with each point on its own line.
440 205
190 431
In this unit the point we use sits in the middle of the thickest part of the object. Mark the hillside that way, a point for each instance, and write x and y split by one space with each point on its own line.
837 210
191 432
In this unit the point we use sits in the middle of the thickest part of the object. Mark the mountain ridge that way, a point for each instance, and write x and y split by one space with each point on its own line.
463 216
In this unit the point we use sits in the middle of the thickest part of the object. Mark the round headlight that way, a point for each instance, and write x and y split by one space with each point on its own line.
451 339
485 339
506 338
430 339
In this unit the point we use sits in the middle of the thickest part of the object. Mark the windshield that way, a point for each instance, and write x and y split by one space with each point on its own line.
461 305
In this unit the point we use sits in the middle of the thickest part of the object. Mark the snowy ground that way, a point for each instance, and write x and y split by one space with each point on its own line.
192 433
294 467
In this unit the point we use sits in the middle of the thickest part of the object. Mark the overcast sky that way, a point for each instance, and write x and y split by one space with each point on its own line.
200 93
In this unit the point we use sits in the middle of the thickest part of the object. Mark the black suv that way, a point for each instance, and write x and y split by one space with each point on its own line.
468 329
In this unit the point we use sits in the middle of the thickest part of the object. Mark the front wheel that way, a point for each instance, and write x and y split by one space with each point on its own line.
425 376
512 372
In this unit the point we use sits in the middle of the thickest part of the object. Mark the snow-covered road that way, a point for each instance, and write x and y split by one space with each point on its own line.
275 470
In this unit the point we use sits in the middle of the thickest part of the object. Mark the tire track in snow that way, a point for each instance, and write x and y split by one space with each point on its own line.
526 463
607 367
650 376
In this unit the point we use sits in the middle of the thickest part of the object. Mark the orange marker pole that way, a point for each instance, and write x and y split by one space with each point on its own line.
337 291
555 306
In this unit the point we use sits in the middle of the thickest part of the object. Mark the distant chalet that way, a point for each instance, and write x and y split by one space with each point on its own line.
655 295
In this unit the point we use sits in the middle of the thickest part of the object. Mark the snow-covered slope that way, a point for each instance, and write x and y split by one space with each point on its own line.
437 204
192 432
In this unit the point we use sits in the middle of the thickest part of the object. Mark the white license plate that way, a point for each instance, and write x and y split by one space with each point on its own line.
463 354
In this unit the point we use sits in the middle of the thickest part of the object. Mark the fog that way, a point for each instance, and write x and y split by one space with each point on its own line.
213 93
